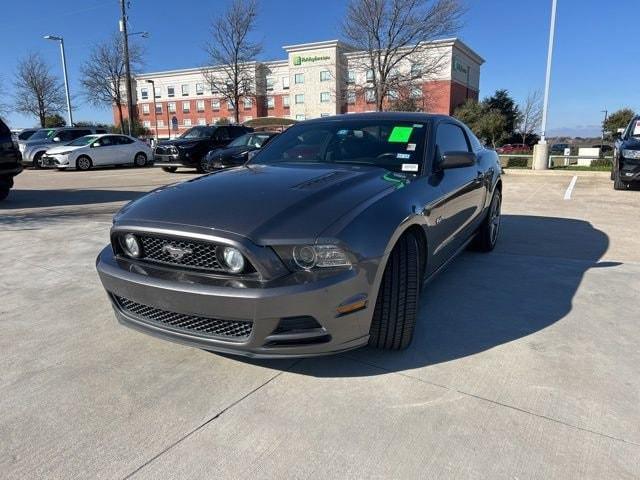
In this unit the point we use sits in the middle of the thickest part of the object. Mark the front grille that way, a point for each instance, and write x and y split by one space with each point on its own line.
168 150
204 326
198 255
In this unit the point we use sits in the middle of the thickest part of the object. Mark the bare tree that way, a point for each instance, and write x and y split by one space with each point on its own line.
38 91
530 115
231 75
103 73
4 108
393 33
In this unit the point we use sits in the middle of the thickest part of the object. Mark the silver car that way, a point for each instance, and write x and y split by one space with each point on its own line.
44 139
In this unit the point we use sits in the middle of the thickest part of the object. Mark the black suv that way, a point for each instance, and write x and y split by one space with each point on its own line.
626 157
190 149
10 164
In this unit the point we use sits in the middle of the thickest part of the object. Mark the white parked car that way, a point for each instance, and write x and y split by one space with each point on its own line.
97 150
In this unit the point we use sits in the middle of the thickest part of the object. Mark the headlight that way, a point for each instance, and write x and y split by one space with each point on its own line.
233 259
131 245
308 257
633 154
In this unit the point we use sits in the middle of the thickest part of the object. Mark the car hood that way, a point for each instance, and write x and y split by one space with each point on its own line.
267 204
63 148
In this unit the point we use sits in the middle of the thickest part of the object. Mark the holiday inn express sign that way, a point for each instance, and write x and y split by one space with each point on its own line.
299 59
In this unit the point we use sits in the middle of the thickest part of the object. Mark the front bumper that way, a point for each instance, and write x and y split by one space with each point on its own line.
179 159
264 305
630 170
56 161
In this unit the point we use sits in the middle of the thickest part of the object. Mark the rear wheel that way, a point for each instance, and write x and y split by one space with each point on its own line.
618 184
84 163
140 160
396 309
169 169
487 235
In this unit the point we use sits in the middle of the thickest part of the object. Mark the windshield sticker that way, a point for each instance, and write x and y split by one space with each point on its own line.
417 125
404 156
409 167
400 134
411 147
636 129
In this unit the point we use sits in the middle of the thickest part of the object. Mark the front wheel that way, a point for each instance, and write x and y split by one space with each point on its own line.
140 160
618 184
396 310
37 160
487 235
84 163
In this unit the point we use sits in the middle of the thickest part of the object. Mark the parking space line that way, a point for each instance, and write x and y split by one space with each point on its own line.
572 184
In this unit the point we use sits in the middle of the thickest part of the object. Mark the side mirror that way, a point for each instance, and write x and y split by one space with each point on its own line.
94 144
56 139
457 160
251 154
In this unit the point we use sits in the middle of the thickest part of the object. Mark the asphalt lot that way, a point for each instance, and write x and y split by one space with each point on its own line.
525 363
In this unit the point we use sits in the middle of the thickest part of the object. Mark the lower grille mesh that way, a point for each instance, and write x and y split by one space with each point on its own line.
204 326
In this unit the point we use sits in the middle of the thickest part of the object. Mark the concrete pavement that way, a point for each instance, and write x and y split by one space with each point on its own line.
525 362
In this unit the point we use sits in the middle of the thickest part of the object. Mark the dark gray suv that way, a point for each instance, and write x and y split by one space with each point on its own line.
320 243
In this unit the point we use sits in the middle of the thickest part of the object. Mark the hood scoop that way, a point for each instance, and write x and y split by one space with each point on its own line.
318 182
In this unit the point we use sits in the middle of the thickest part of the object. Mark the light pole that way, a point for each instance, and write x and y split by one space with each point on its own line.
540 159
127 66
606 114
155 111
64 73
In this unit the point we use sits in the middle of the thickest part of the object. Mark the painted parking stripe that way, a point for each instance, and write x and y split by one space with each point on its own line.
572 184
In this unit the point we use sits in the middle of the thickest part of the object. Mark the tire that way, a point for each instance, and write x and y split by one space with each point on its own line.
205 166
37 159
487 235
169 169
84 163
618 184
140 160
396 310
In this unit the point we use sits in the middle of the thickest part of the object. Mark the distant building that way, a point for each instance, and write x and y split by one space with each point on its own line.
316 79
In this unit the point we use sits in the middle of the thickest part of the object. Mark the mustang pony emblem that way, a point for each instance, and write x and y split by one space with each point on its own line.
176 252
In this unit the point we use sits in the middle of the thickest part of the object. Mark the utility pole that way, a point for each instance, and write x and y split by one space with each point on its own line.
606 115
541 150
127 67
155 107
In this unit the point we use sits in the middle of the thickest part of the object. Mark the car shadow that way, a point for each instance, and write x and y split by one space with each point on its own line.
482 301
22 199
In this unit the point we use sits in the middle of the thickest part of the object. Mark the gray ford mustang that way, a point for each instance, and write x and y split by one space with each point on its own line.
320 243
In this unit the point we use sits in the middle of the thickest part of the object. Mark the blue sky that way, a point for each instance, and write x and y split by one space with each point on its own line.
594 64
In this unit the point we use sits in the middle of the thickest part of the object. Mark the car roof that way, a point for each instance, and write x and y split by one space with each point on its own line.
397 116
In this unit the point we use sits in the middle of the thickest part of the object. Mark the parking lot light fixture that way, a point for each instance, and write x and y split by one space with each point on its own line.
64 73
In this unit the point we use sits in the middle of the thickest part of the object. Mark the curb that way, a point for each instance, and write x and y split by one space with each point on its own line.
566 173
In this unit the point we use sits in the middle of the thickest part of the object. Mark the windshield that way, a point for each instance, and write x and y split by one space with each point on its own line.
198 132
82 141
635 128
42 134
26 135
250 139
394 145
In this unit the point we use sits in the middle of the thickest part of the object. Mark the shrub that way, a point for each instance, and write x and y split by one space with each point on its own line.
602 162
518 162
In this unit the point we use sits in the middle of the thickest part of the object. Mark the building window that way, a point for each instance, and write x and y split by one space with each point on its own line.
393 95
186 107
285 101
369 95
202 121
285 83
172 107
325 97
325 75
171 91
200 105
351 76
144 93
145 108
416 92
146 124
351 98
248 104
185 90
215 104
158 108
186 122
199 88
298 78
370 75
158 92
270 83
160 123
230 105
271 103
300 117
300 98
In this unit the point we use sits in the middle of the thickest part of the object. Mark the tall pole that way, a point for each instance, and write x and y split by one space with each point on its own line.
66 82
127 67
155 111
606 114
552 31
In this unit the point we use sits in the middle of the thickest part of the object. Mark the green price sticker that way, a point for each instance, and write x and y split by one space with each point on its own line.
400 134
